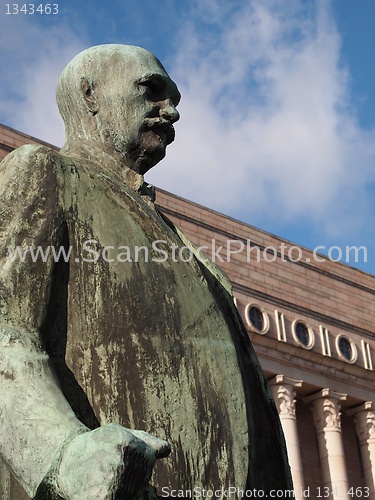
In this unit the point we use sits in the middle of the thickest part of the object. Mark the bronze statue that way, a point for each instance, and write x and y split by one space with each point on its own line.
105 341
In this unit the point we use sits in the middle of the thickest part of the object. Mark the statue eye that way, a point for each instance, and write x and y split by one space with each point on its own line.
153 89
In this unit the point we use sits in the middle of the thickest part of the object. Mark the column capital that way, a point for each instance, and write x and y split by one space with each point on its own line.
364 419
326 409
284 395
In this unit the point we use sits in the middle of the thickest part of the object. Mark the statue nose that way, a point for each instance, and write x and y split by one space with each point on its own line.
169 112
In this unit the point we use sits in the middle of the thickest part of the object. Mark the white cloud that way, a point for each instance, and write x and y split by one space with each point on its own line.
267 128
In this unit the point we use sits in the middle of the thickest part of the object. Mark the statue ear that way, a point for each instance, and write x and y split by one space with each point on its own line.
89 96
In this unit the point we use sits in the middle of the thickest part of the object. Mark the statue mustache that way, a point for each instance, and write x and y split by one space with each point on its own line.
158 125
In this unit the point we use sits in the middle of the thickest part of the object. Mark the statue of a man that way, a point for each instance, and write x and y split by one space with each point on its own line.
105 340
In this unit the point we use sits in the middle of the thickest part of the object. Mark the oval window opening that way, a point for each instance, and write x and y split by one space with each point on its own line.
345 348
303 334
256 318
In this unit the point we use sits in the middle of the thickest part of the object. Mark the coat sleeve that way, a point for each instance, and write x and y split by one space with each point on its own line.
35 418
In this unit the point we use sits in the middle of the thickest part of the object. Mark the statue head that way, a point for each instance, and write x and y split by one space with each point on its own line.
121 98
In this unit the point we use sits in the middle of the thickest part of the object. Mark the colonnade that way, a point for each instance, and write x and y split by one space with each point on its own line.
326 407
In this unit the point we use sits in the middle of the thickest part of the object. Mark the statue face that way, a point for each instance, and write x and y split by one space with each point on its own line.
139 111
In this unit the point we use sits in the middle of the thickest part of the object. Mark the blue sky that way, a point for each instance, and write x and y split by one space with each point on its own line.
277 121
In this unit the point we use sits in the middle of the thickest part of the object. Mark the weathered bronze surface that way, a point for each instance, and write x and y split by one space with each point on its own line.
140 340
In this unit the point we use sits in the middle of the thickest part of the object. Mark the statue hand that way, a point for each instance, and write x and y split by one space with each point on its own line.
108 463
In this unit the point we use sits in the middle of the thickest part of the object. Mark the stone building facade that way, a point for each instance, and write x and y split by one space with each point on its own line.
311 322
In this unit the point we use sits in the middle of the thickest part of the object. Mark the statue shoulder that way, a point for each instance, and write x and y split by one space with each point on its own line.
31 164
29 155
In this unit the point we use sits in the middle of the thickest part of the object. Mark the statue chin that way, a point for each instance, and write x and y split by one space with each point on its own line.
141 154
149 159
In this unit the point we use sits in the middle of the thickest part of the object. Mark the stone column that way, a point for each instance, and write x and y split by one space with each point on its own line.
326 409
364 418
283 391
